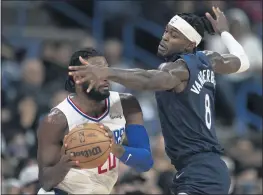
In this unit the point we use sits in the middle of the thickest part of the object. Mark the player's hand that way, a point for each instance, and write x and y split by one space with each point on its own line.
89 72
219 24
108 132
66 161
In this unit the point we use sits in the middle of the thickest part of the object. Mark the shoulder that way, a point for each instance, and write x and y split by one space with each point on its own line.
131 109
54 121
212 55
126 96
55 116
177 65
129 103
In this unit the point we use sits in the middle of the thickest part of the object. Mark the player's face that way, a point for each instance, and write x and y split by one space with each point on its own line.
101 89
173 42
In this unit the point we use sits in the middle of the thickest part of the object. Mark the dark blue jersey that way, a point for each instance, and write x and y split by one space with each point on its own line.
187 118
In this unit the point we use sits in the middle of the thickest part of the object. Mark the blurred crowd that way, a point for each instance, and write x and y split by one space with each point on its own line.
31 86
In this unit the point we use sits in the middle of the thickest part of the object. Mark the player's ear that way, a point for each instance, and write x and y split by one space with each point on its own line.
190 46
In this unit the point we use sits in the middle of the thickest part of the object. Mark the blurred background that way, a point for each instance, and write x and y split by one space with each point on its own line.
38 38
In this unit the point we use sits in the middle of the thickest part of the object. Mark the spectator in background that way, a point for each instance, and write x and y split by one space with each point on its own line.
29 179
11 186
27 110
88 42
58 97
113 52
55 56
248 183
33 76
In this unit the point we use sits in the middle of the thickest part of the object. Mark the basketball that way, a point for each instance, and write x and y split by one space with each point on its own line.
89 145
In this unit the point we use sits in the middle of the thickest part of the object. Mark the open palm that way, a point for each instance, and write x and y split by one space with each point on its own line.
219 24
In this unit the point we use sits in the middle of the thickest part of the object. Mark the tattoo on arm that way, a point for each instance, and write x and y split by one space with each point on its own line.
223 64
50 135
140 79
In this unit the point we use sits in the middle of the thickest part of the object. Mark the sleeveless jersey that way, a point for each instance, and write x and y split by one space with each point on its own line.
187 118
102 179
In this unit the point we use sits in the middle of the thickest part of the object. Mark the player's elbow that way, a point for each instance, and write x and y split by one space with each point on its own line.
46 185
244 63
46 182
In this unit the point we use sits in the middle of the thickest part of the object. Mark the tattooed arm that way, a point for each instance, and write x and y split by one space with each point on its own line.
53 163
169 76
223 64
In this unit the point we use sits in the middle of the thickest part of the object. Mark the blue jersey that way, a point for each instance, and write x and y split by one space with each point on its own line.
187 118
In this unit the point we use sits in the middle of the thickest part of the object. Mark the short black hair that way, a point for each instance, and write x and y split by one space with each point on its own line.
85 53
200 24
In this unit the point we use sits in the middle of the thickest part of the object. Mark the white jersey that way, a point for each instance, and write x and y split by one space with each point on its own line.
102 179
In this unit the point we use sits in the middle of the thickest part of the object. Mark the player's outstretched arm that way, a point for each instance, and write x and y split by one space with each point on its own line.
138 79
138 153
53 163
235 62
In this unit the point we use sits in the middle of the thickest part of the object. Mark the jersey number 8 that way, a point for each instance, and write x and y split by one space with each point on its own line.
208 121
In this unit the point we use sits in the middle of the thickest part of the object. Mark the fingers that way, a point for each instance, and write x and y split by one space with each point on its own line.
80 72
215 11
80 80
74 164
77 67
84 62
91 85
209 17
218 10
65 137
77 79
68 158
107 129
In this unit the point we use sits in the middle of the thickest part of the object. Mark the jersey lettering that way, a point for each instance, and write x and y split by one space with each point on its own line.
111 162
204 76
208 117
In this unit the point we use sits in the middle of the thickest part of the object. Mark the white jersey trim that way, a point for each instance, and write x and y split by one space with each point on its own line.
107 102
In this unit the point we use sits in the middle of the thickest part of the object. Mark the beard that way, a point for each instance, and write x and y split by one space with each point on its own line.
95 94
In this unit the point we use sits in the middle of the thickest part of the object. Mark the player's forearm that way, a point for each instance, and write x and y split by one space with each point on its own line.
138 153
138 158
52 176
235 49
140 79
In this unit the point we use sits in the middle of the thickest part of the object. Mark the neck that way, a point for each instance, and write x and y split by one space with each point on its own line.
88 105
172 58
176 56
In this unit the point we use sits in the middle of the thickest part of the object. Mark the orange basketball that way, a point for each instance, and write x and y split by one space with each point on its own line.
89 145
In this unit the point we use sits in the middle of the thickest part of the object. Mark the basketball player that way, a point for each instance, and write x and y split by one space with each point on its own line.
185 94
117 113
